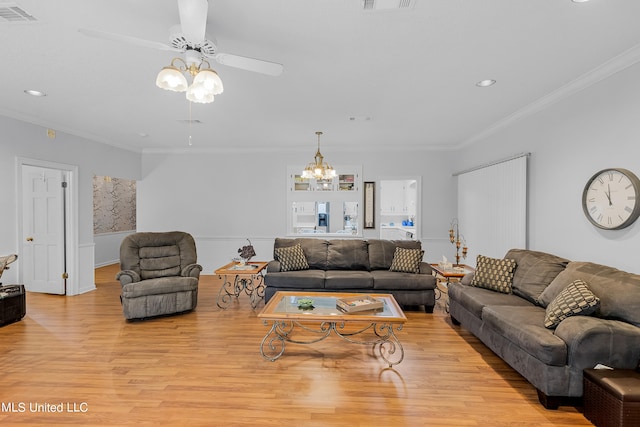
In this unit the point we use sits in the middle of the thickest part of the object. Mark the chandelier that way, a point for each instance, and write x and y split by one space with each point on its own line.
206 82
318 169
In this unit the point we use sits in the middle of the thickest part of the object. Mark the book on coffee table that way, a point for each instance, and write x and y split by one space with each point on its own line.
358 303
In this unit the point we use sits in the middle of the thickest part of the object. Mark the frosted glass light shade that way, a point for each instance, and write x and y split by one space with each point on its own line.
170 78
197 92
210 80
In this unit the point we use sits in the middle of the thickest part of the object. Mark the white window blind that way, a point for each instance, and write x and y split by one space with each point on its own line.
492 207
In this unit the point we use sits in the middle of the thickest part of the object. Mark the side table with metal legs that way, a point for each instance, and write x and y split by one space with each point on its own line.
239 278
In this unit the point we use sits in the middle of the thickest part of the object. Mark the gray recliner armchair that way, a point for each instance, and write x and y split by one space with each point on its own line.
159 274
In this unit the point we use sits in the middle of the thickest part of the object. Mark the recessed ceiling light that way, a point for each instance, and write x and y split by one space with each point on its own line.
486 83
579 1
33 92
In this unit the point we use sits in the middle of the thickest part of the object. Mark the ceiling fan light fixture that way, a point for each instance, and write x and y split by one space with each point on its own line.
171 78
210 80
198 93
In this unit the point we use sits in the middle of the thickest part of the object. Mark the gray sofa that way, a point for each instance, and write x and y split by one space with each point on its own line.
553 359
159 274
353 265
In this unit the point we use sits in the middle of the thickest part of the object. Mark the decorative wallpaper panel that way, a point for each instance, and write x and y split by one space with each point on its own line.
114 205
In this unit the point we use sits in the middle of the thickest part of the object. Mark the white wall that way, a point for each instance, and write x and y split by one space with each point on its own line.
224 198
107 247
19 139
569 141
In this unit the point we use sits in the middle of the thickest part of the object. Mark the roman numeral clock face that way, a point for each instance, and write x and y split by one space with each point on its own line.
610 199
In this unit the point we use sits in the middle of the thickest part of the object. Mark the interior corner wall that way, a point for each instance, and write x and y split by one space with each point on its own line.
569 141
224 198
20 139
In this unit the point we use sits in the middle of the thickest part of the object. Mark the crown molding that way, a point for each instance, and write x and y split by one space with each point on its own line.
616 64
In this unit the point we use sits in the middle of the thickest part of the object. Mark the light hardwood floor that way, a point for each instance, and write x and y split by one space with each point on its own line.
204 368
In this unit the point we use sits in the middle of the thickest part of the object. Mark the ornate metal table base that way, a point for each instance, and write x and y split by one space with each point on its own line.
252 285
383 338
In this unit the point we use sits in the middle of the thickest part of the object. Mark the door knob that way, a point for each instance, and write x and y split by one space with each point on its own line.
29 239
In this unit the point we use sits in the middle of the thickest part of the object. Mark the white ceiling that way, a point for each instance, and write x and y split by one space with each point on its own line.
407 76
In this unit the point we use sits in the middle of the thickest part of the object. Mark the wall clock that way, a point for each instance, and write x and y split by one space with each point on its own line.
611 199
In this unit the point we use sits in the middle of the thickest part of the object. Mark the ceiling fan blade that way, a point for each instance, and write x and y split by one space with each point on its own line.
126 39
250 64
193 18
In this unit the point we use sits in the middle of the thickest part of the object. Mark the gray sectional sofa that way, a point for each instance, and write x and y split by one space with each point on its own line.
553 358
352 265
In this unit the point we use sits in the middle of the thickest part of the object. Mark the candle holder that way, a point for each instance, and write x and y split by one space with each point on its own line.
457 239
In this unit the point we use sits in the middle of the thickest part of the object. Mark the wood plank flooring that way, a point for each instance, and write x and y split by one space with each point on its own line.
78 354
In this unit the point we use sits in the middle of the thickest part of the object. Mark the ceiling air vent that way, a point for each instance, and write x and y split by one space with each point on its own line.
11 12
371 5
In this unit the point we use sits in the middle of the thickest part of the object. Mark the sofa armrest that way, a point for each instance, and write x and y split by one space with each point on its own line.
273 266
592 340
192 270
127 276
425 268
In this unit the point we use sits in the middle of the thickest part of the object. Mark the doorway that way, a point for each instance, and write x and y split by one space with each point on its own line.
400 208
47 226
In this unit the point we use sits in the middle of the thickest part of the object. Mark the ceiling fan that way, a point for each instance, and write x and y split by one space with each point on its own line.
189 37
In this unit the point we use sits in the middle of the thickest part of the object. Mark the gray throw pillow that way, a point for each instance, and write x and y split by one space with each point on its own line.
575 300
407 260
494 274
291 258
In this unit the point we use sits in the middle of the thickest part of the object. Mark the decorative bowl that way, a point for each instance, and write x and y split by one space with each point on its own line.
305 303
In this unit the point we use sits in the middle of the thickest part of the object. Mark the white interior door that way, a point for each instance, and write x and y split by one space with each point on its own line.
43 230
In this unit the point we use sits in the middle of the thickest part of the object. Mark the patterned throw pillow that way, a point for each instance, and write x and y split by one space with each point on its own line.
291 258
494 274
575 300
407 260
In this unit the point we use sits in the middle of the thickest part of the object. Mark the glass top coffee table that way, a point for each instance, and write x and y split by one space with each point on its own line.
298 323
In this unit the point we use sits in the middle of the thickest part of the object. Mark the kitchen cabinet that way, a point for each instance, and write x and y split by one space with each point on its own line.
303 216
349 181
397 233
394 198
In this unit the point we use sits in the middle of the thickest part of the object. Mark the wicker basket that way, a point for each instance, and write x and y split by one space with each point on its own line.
612 397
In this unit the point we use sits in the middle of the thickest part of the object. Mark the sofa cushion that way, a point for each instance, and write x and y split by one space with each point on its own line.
345 279
406 260
523 326
475 299
315 250
291 258
619 291
159 286
392 280
159 261
576 299
347 254
381 251
493 273
303 279
534 272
